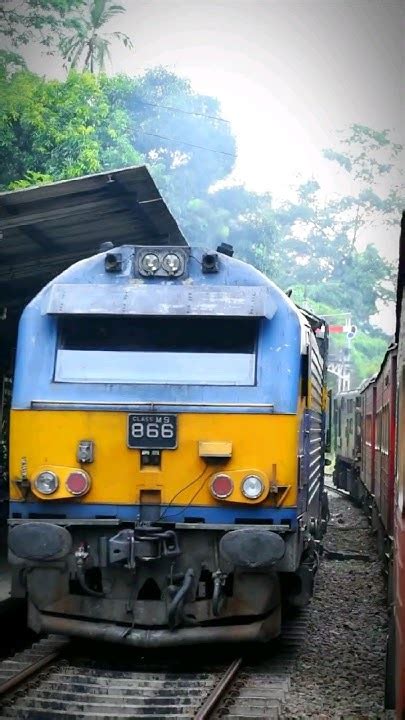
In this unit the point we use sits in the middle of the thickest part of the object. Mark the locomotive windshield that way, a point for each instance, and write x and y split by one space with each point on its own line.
185 350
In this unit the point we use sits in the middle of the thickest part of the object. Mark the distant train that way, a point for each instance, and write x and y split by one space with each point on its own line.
365 437
369 433
166 450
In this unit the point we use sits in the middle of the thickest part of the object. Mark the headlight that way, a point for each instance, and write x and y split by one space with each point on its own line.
252 487
162 261
150 263
46 482
171 263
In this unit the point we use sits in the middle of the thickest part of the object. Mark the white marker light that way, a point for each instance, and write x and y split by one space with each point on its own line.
46 482
252 487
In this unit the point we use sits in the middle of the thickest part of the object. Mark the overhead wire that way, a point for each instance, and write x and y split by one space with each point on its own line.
184 112
183 142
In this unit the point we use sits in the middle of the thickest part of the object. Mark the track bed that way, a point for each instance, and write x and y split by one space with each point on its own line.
341 669
329 663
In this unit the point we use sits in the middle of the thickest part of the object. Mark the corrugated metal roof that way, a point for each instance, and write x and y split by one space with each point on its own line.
45 229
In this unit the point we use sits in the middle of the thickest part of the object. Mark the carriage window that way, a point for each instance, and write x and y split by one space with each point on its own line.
385 429
179 350
378 431
368 429
338 421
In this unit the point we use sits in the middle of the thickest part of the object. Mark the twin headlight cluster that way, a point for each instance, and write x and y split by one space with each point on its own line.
77 483
161 262
222 486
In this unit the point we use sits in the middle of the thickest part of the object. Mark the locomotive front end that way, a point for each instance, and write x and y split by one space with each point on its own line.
160 491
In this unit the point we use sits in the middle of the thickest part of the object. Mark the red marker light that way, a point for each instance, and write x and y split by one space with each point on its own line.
221 486
78 483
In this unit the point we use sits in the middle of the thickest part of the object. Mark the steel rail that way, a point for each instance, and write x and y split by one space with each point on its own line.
343 493
217 693
78 690
16 680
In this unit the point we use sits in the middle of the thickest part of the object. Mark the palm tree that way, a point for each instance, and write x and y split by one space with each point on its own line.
88 44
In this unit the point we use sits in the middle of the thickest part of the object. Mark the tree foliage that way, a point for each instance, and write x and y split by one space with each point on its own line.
31 21
367 348
372 159
88 123
75 29
62 130
321 235
52 130
327 263
88 44
181 131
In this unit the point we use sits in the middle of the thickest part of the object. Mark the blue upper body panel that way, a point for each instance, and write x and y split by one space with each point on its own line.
279 347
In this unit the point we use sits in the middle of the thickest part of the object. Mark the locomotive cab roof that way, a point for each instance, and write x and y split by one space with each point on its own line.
207 283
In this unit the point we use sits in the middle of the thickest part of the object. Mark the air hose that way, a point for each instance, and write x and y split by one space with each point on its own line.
179 597
82 582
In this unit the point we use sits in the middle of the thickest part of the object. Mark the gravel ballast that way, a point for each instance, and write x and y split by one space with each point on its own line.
340 671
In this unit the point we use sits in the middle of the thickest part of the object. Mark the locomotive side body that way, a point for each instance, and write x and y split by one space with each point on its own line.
166 450
347 442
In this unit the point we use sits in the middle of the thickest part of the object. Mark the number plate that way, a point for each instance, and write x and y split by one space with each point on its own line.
152 432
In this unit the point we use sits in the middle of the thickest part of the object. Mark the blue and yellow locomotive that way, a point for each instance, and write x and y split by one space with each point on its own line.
166 449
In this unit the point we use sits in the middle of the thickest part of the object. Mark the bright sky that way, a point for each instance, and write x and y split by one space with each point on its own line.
288 74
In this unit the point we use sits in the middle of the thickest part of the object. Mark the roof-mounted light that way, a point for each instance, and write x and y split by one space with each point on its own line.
162 262
113 262
171 263
150 263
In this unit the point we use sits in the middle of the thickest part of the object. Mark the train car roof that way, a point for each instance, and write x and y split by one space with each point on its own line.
359 389
45 229
366 383
369 381
235 289
348 393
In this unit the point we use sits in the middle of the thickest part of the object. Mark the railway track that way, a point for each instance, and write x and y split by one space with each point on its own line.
343 493
367 509
56 678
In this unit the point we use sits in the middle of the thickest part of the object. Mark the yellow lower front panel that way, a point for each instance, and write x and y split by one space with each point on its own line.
48 439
